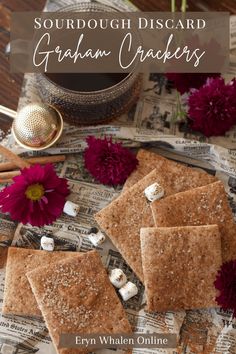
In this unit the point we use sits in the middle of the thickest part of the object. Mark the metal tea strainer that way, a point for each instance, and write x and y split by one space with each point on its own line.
36 126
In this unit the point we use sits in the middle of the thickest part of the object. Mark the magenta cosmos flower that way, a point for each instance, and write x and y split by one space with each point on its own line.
212 108
37 196
226 284
109 163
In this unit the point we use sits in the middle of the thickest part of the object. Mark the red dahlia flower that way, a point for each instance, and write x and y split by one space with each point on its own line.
184 82
109 163
212 108
226 284
37 196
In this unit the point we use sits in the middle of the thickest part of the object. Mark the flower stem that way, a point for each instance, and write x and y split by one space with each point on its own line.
172 5
184 5
180 114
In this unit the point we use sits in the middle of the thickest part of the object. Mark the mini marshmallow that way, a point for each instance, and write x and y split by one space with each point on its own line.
154 192
118 278
47 243
71 208
8 349
96 237
128 290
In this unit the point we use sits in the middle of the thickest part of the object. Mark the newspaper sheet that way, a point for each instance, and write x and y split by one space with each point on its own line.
149 124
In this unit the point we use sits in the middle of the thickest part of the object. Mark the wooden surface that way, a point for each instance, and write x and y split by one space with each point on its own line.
10 84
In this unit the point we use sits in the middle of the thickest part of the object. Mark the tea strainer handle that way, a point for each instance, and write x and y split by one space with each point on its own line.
8 112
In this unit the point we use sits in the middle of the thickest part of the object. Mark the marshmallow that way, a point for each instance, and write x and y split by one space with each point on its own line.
118 278
71 208
128 290
154 192
8 349
96 237
47 243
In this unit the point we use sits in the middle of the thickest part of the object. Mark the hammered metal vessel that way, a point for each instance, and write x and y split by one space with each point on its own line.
37 126
92 107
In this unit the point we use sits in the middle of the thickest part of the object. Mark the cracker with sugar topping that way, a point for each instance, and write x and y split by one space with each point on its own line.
149 161
200 206
123 218
18 297
180 265
76 296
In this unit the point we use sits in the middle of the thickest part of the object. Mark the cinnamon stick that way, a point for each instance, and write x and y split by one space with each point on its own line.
9 175
9 155
6 177
9 180
42 160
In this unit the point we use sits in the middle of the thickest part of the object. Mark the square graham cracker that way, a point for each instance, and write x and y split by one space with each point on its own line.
205 205
172 170
123 218
18 297
76 296
180 266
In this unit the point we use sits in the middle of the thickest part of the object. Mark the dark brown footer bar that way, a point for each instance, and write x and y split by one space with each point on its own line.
138 340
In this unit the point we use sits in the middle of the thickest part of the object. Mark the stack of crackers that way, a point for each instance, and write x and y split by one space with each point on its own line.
175 245
71 290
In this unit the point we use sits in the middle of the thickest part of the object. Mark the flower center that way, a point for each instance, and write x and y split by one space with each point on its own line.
34 192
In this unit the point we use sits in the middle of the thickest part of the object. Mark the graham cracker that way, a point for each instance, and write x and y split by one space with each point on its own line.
200 206
5 241
149 161
180 266
76 296
3 257
18 297
123 218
